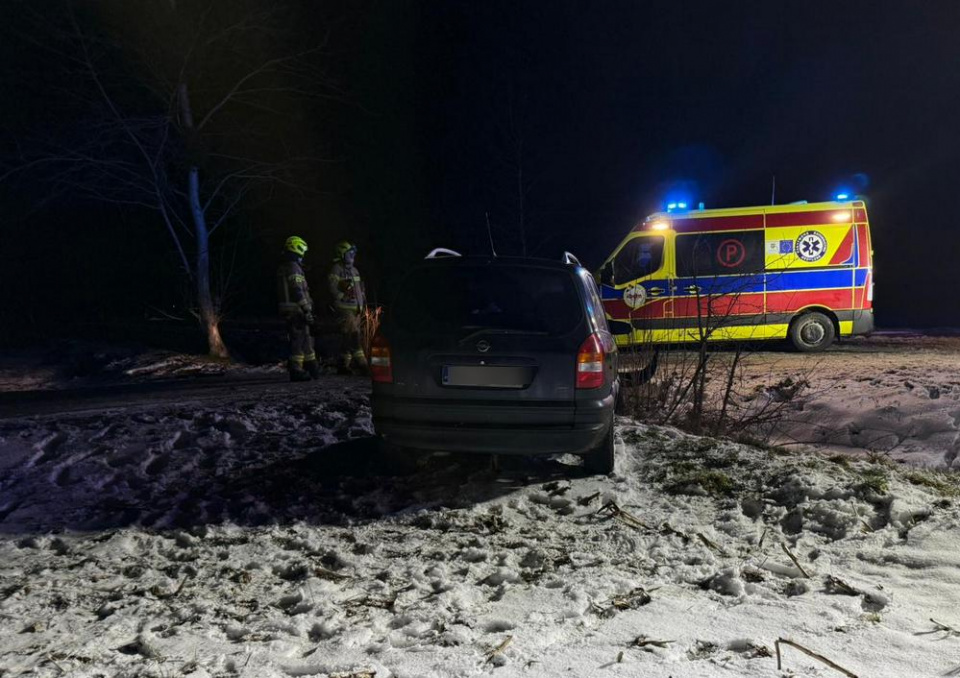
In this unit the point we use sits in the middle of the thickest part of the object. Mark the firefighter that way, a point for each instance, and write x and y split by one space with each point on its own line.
349 301
296 308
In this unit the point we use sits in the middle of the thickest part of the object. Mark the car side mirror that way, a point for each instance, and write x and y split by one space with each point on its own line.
606 274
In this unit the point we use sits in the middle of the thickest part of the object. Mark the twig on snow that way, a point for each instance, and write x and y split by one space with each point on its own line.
324 573
583 501
794 559
709 544
156 590
944 627
837 585
498 649
644 642
811 653
614 511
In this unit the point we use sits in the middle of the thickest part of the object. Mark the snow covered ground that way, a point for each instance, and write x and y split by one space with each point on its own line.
262 535
895 394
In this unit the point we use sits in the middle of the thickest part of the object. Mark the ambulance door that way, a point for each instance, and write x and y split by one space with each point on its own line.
637 287
720 284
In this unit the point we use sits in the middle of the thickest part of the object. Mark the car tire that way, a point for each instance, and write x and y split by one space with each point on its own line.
812 332
600 460
396 460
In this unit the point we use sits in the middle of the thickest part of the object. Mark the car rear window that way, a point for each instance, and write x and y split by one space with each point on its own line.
522 299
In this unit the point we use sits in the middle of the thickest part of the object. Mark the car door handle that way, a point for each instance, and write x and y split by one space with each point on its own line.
692 289
655 291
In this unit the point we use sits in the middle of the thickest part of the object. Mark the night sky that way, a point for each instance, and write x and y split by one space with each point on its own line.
607 107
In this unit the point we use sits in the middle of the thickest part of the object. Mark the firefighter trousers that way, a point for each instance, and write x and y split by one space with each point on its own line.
301 342
351 352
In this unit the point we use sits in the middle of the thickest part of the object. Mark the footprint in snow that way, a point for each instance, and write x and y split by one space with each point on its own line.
157 465
47 449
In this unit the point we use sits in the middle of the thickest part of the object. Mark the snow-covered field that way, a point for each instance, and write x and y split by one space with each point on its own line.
262 535
892 394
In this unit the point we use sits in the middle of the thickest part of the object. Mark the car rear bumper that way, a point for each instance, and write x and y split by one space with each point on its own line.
520 430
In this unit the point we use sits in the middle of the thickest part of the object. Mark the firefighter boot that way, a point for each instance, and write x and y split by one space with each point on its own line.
313 368
343 366
297 373
359 365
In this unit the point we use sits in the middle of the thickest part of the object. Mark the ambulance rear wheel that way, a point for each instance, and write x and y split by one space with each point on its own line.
812 332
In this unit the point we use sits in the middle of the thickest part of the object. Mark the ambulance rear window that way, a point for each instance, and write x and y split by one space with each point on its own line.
523 299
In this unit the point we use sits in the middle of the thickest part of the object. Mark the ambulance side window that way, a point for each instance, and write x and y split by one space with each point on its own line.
712 254
639 258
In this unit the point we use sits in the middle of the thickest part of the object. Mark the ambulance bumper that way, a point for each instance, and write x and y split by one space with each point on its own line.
863 322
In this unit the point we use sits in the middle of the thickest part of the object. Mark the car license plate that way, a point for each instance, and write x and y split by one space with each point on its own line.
489 376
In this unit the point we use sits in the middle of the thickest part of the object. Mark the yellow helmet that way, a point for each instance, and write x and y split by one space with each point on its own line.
341 250
296 244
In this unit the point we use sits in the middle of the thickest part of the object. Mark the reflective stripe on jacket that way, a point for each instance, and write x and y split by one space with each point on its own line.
293 293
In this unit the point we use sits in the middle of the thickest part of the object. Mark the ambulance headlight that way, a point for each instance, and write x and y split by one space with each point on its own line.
660 225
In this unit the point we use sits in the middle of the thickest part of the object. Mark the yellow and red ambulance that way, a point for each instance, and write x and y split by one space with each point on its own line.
802 272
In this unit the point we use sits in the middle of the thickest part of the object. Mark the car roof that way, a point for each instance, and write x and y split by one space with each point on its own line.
488 260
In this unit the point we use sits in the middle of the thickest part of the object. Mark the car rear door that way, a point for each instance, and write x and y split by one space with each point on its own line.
487 344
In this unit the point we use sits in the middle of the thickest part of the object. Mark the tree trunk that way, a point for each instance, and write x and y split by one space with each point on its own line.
209 313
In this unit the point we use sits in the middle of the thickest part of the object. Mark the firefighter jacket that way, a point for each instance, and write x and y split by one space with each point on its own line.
293 293
346 288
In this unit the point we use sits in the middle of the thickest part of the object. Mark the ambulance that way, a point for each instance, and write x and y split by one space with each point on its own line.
802 272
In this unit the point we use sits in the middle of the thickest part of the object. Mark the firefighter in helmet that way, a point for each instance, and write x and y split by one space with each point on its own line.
296 307
349 301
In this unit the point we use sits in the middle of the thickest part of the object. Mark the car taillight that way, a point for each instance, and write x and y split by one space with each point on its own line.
590 363
381 369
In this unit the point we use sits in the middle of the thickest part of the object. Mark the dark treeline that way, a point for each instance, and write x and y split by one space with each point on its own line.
562 123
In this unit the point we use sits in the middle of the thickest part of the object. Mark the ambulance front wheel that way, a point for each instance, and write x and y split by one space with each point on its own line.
812 332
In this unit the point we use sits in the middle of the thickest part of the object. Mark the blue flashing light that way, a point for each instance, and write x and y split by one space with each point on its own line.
843 196
682 205
671 206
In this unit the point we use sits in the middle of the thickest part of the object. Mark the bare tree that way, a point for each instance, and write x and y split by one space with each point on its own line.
515 168
181 112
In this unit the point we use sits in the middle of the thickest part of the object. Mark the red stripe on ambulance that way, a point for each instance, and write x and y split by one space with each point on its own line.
715 308
785 302
845 251
821 218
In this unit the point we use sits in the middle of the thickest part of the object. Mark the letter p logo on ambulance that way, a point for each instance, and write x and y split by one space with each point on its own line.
811 246
731 253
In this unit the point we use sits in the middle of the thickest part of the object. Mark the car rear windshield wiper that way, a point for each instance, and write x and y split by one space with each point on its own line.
501 331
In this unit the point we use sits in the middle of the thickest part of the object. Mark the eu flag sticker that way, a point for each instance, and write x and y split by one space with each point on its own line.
786 246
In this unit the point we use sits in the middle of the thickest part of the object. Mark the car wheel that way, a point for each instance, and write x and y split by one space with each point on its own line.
396 460
599 461
812 332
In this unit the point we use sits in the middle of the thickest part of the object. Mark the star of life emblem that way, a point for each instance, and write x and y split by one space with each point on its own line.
811 246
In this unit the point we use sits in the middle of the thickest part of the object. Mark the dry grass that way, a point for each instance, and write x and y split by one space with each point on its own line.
369 325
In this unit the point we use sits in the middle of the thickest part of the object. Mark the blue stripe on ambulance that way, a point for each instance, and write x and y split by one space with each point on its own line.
607 292
776 281
788 281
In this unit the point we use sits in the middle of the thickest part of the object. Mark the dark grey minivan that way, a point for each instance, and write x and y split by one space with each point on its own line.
497 355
